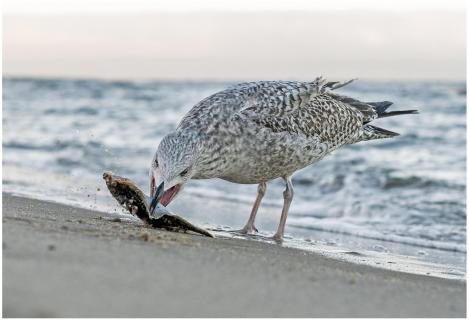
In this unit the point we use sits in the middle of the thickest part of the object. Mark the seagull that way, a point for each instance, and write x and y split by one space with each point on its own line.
254 132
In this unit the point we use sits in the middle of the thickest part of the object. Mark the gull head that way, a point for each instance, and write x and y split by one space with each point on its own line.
173 164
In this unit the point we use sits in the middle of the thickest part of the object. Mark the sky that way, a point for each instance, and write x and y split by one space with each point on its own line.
235 40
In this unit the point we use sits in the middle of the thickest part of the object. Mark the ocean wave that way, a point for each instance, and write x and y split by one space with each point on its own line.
392 182
341 227
88 111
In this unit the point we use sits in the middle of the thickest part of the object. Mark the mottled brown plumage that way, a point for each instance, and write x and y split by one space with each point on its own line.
258 131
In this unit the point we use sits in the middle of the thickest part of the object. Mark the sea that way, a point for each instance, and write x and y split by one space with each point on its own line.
396 203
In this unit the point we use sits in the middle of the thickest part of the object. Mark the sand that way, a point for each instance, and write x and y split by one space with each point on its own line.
60 261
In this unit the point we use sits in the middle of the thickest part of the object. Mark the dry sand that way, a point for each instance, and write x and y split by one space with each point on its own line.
60 261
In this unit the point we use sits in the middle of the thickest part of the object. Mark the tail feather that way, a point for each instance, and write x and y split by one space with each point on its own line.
381 107
369 110
397 113
370 132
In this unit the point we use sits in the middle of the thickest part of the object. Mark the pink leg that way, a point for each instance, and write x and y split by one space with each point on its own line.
249 228
287 199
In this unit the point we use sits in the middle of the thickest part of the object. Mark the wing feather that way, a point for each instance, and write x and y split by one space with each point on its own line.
309 109
325 118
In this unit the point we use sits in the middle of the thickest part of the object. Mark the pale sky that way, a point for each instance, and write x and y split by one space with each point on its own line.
235 40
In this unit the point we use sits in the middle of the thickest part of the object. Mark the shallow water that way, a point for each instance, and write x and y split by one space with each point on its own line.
399 196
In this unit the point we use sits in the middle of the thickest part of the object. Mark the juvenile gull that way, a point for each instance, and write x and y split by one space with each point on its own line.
255 132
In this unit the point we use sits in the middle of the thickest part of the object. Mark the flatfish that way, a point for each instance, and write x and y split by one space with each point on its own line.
134 200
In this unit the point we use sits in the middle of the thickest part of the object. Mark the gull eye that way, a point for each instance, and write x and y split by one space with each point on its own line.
184 173
155 163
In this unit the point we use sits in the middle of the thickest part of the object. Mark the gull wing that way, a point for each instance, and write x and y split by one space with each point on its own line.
277 98
309 109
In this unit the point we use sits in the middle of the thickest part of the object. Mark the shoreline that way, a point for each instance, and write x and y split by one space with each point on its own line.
389 260
228 214
65 261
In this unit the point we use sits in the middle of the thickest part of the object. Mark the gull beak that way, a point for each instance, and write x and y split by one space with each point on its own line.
157 197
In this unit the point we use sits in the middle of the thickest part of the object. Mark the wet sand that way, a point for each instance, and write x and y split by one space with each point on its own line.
60 261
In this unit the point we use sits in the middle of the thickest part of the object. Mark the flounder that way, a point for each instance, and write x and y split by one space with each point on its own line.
134 200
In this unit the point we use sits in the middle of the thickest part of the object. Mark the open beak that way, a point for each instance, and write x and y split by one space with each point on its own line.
163 196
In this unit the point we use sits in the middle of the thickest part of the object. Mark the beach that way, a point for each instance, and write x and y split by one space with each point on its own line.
405 196
62 261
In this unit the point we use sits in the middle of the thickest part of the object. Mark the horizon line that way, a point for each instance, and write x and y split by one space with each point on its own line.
221 80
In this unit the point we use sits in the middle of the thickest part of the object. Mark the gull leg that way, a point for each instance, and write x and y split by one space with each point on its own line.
249 228
287 199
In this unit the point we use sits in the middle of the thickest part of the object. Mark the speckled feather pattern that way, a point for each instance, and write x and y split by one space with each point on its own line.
258 131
